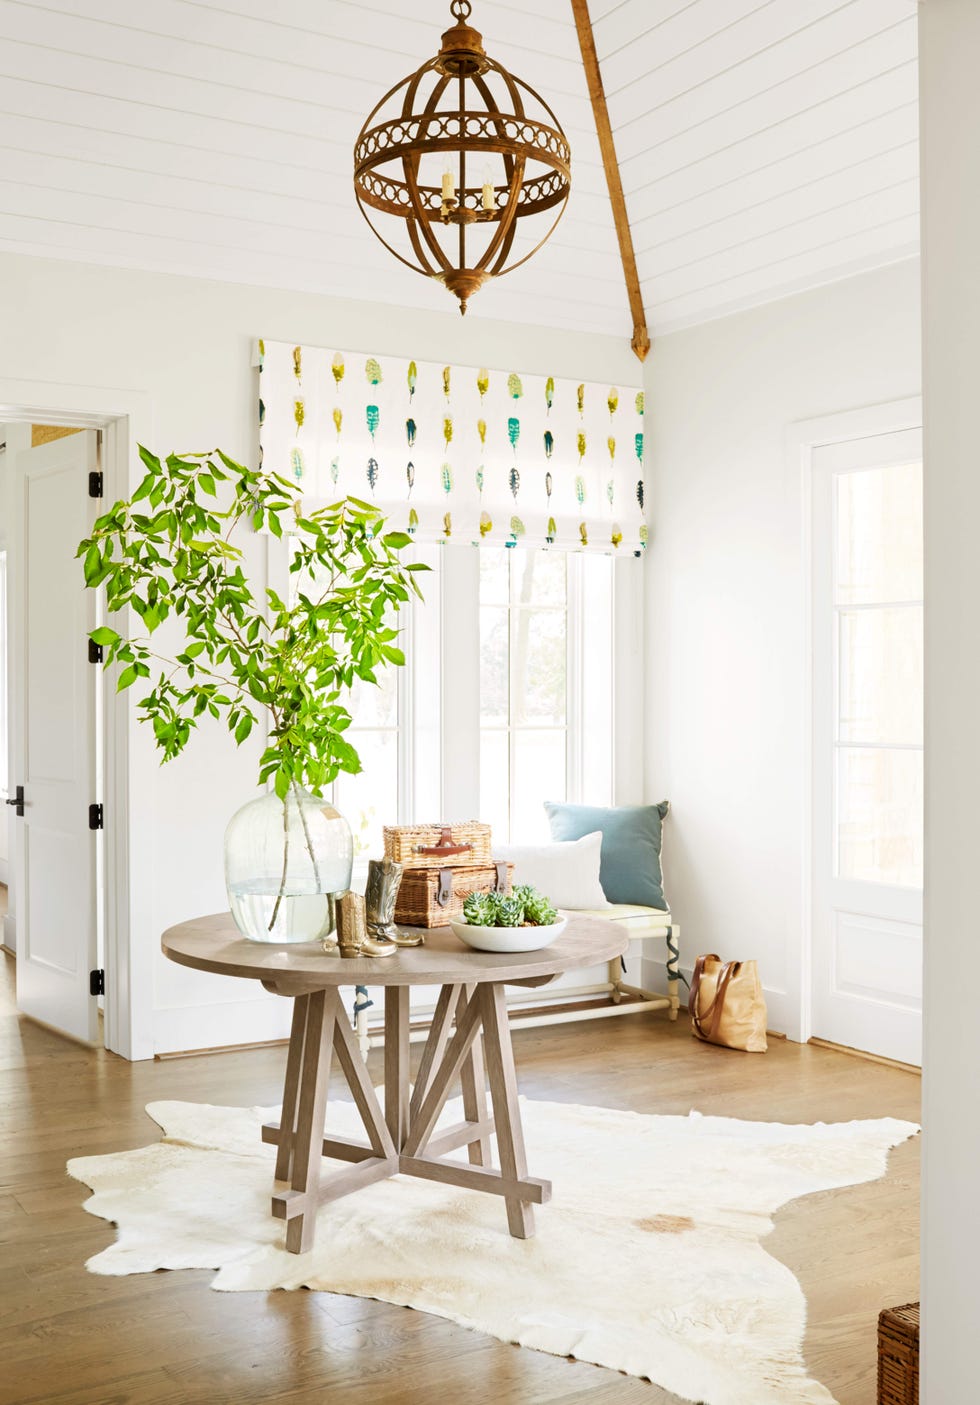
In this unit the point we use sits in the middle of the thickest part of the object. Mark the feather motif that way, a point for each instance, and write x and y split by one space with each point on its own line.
447 430
373 416
372 473
513 431
549 393
261 354
410 475
548 485
299 413
338 419
482 382
515 482
610 492
413 375
298 362
296 463
616 536
446 372
644 535
337 368
334 469
373 371
413 522
581 446
486 524
580 490
612 400
410 429
447 524
611 446
261 413
549 443
479 479
514 388
481 429
640 402
639 493
638 445
517 527
552 531
580 398
261 456
447 478
583 532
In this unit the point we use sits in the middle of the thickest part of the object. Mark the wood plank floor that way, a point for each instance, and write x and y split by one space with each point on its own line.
70 1338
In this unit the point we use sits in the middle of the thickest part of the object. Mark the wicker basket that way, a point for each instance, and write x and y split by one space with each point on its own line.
898 1355
430 897
438 845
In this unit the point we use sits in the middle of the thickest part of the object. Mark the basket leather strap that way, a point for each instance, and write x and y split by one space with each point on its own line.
444 892
501 867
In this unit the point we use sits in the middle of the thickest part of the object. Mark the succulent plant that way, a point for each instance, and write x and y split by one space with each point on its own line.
510 911
480 909
539 910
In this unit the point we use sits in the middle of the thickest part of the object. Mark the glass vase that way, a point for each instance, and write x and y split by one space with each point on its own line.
285 863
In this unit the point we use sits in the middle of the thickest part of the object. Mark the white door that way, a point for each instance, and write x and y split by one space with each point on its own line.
868 744
54 692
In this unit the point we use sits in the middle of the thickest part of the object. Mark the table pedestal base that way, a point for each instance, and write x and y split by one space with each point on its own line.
469 1026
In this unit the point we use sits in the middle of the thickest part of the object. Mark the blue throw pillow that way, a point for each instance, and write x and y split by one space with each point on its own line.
632 835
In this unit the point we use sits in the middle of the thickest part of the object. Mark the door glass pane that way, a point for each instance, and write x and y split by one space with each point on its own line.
538 675
881 675
538 577
369 800
495 782
494 576
879 815
494 665
539 775
879 535
375 705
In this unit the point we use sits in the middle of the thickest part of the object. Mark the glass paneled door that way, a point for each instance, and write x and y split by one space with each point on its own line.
868 744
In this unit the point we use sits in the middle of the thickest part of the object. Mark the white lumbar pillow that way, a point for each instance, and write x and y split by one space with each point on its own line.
566 872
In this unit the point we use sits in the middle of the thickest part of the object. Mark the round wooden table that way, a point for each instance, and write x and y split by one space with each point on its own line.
469 1039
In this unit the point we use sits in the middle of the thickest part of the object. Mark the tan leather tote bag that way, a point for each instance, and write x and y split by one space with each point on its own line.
727 1005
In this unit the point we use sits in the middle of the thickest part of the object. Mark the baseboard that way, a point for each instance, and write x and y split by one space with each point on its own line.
864 1054
242 1023
10 933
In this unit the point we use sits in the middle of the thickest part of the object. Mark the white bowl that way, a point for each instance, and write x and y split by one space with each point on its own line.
508 938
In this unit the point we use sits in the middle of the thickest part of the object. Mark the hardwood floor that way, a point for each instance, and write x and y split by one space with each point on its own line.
70 1338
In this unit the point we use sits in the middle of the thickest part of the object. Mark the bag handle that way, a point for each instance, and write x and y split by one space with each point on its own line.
445 845
706 1022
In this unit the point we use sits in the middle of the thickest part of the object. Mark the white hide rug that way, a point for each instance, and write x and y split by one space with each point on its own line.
648 1258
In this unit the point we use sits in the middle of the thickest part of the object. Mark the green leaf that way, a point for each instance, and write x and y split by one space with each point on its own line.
243 728
128 676
103 635
93 564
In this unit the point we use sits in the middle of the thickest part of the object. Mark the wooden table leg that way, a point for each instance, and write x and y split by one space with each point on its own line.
308 1142
396 1062
506 1109
474 1080
290 1094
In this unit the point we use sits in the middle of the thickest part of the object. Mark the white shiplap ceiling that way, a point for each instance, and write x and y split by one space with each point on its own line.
766 146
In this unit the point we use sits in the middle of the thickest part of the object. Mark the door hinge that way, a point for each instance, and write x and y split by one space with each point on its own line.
17 800
95 817
96 653
95 483
96 982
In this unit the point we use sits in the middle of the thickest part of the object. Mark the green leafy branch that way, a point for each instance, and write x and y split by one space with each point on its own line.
168 554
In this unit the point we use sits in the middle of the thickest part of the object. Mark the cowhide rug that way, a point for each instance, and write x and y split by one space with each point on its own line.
648 1259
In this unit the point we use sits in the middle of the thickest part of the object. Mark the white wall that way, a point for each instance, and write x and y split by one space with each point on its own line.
725 606
950 105
180 349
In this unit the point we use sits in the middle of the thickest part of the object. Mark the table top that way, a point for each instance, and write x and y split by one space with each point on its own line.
215 944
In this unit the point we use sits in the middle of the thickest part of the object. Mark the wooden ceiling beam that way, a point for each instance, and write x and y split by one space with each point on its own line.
597 95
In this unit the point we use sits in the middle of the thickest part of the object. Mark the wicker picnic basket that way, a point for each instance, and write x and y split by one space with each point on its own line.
430 897
898 1355
438 845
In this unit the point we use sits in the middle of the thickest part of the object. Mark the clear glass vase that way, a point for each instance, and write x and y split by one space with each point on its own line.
285 862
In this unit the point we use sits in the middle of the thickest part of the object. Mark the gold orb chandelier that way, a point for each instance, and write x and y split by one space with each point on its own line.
461 151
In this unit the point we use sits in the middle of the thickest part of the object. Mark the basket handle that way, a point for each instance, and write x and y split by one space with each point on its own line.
445 845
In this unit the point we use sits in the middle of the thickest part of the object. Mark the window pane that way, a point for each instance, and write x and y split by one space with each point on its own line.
537 577
375 705
879 807
494 575
494 665
879 535
881 676
538 674
369 800
495 783
539 775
